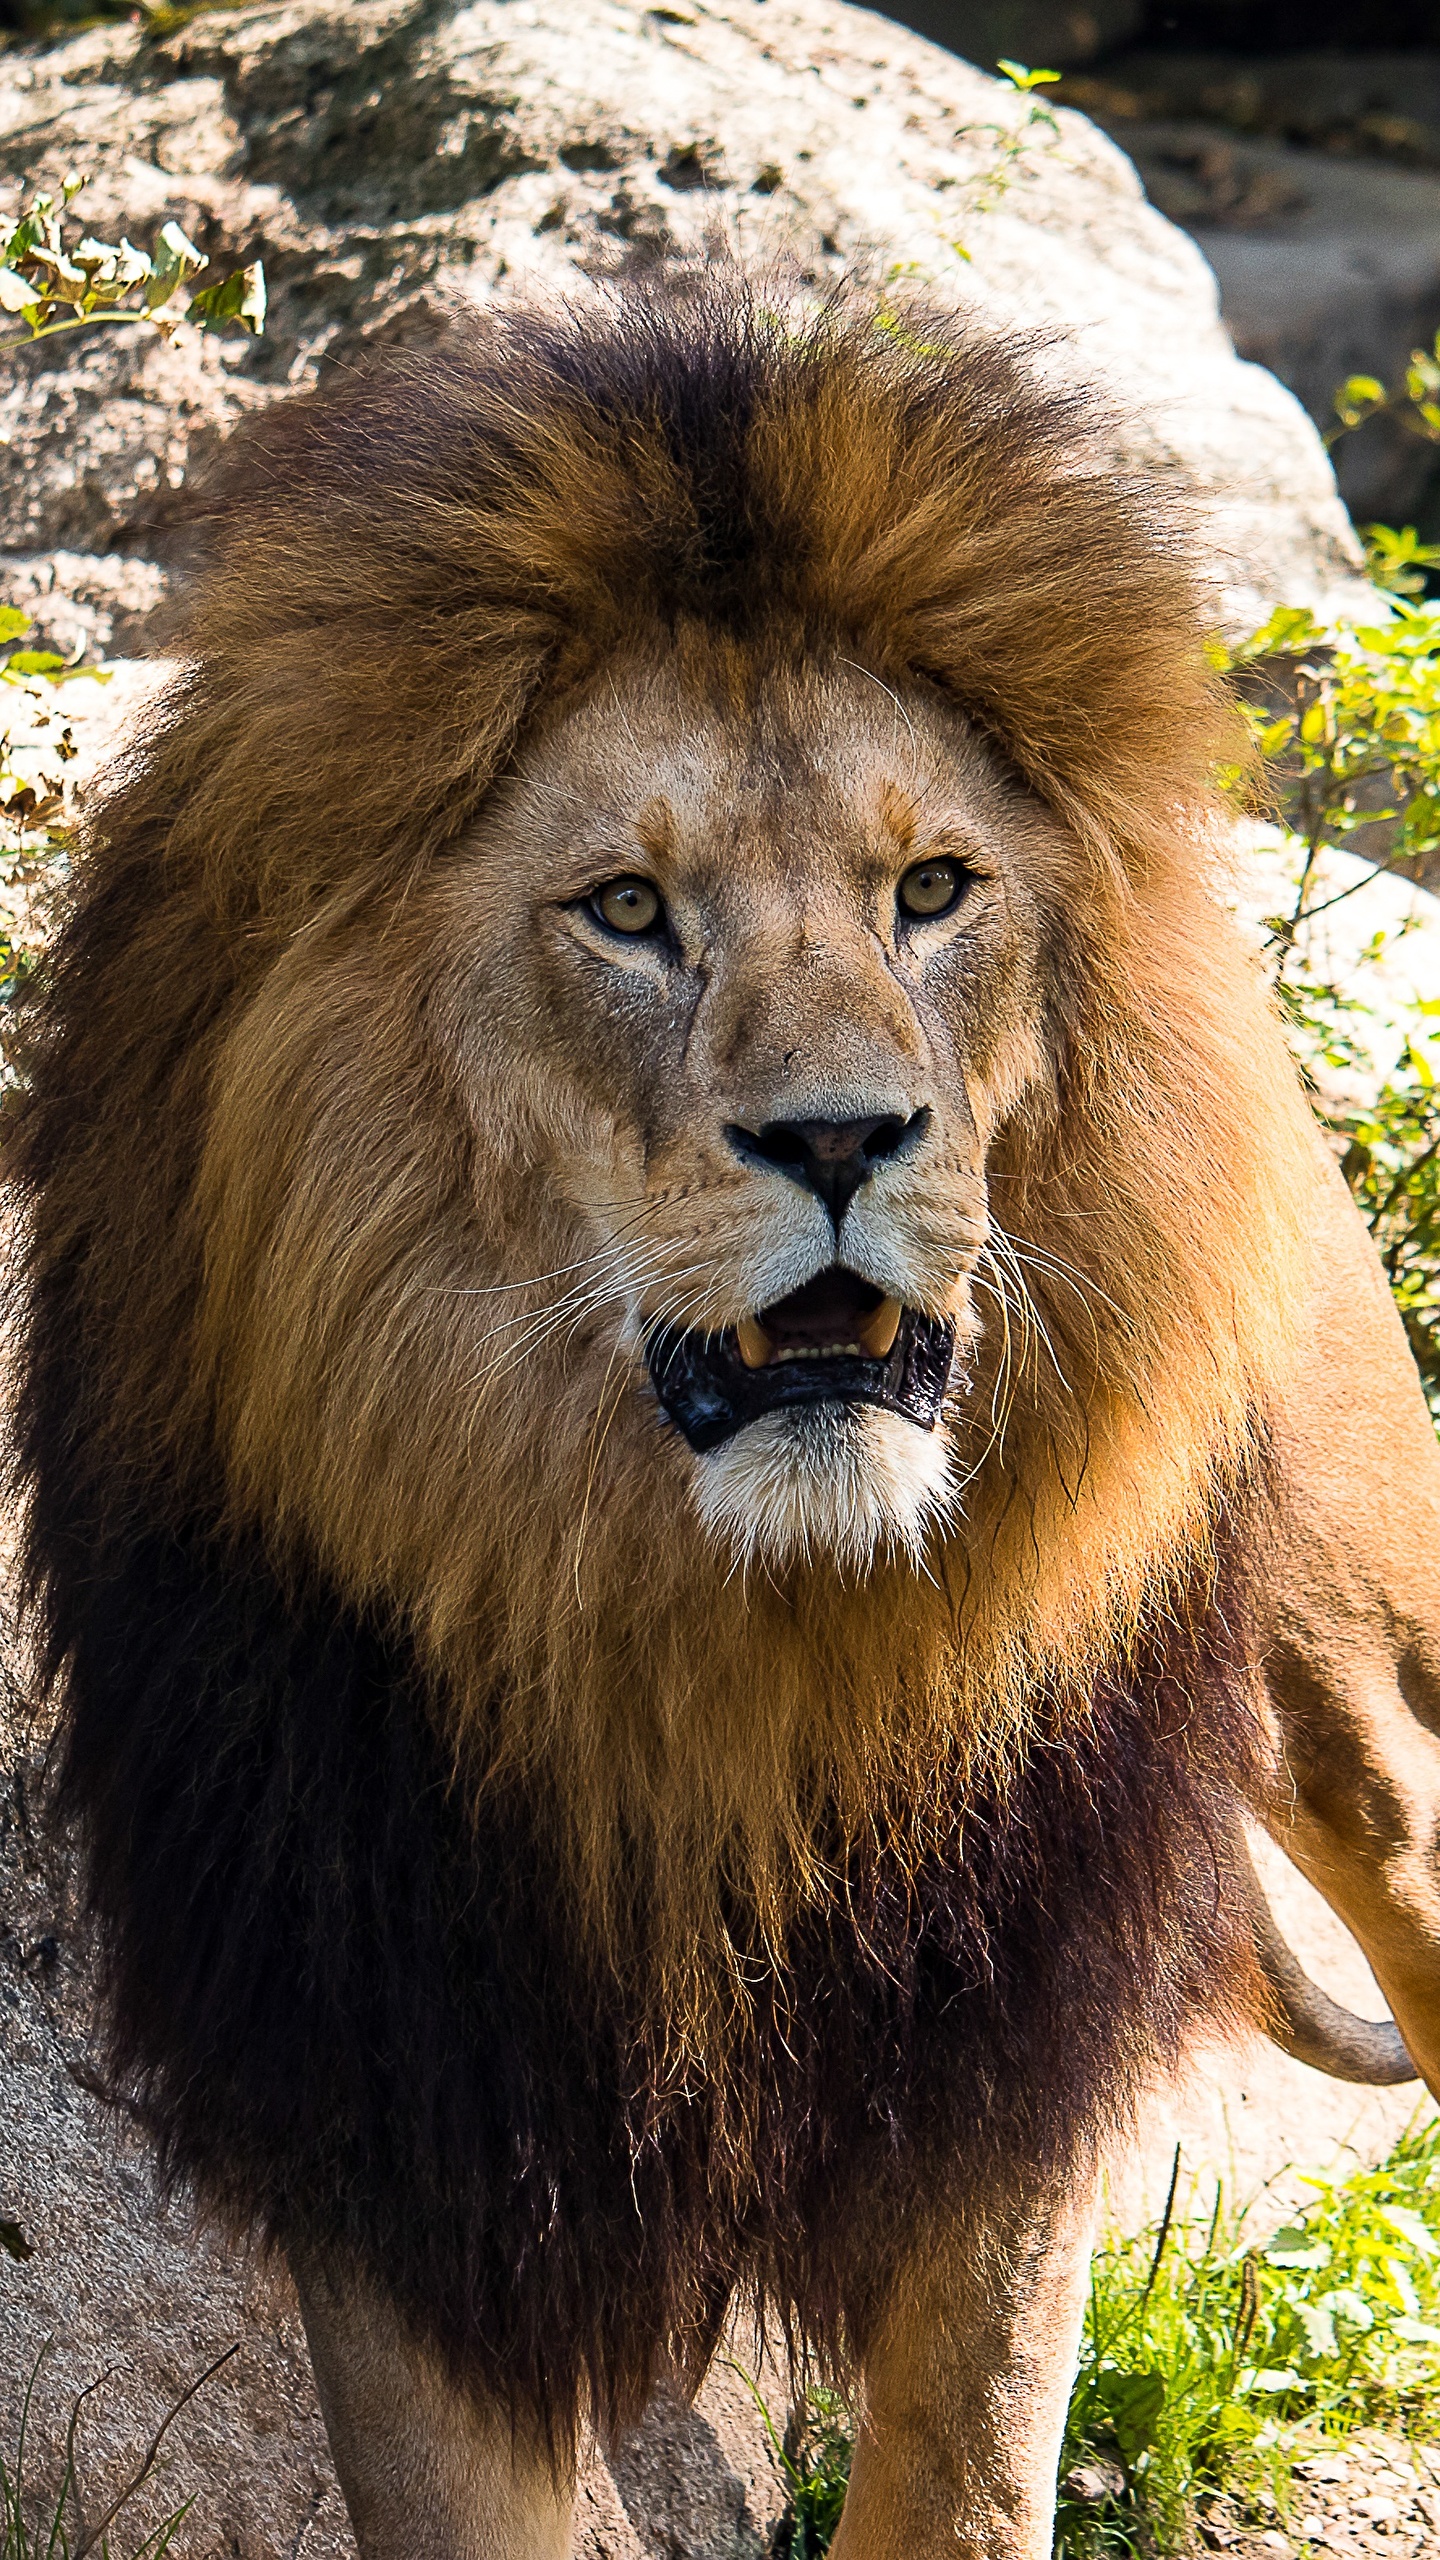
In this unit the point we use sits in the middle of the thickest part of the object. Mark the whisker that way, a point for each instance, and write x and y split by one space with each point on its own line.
502 1288
1003 1247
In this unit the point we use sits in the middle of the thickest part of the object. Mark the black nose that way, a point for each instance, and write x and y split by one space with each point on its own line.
829 1157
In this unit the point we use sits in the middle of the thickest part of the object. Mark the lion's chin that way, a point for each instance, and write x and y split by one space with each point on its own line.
845 1482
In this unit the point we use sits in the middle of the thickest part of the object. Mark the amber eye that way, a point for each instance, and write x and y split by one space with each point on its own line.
629 905
931 888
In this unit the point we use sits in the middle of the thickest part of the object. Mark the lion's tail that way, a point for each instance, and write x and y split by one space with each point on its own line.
1309 2025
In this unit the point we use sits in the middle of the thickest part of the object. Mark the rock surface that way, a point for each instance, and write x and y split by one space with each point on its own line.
394 160
1312 184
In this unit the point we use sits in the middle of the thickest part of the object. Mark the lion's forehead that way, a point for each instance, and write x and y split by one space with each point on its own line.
820 780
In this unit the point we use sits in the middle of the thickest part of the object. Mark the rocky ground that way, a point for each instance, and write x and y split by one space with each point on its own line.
1376 2494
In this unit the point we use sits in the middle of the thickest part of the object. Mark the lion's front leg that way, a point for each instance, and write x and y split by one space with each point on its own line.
427 2473
967 2386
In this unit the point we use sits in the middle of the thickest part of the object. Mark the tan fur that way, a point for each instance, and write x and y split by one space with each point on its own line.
1353 1636
967 2392
428 2473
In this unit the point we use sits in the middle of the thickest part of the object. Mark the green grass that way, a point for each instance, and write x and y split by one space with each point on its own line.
46 2525
1215 2357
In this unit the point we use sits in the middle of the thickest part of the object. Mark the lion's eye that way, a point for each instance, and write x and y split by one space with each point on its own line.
629 905
931 888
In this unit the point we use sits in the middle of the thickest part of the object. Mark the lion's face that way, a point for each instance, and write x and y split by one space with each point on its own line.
746 987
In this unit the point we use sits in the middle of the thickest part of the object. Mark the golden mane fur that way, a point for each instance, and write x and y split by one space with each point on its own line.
308 1242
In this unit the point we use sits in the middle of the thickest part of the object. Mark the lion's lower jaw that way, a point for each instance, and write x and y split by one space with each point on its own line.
850 1483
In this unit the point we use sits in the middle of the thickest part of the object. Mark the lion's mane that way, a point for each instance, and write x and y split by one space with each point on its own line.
573 1945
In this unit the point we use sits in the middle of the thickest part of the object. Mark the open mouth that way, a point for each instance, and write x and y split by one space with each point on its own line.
836 1341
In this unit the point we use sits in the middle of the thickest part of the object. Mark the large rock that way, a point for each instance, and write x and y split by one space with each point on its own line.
394 160
1312 184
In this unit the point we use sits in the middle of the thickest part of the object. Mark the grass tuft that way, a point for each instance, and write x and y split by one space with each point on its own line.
47 2525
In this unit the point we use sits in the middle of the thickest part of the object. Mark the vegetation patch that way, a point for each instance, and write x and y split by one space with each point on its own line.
1219 2366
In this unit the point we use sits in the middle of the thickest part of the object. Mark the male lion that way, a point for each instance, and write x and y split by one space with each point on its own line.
668 1274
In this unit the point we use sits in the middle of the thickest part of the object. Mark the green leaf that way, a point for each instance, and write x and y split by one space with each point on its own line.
1132 2402
1345 2303
1411 2225
34 662
1295 2246
13 622
1319 2327
240 298
175 258
1021 78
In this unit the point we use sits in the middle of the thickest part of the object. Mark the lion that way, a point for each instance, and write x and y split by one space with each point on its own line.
669 1330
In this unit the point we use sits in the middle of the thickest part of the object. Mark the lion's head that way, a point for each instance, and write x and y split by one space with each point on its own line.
696 1130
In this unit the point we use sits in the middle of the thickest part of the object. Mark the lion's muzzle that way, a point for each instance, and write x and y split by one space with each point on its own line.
836 1341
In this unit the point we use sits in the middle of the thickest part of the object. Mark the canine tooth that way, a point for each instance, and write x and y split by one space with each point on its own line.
878 1334
756 1348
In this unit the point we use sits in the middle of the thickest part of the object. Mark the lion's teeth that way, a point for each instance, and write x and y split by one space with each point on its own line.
878 1334
874 1341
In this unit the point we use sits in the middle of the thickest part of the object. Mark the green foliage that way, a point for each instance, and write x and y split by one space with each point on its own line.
1214 2360
1360 749
36 821
1413 402
1013 143
1351 758
1398 560
52 284
813 2459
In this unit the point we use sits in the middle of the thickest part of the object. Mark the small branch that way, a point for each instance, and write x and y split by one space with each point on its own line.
1164 2234
66 328
90 2540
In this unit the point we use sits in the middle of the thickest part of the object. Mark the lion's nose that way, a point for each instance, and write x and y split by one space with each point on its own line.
829 1157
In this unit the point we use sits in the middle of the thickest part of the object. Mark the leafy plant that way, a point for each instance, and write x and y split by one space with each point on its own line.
36 817
813 2459
1351 760
1013 142
1414 402
53 285
1216 2360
